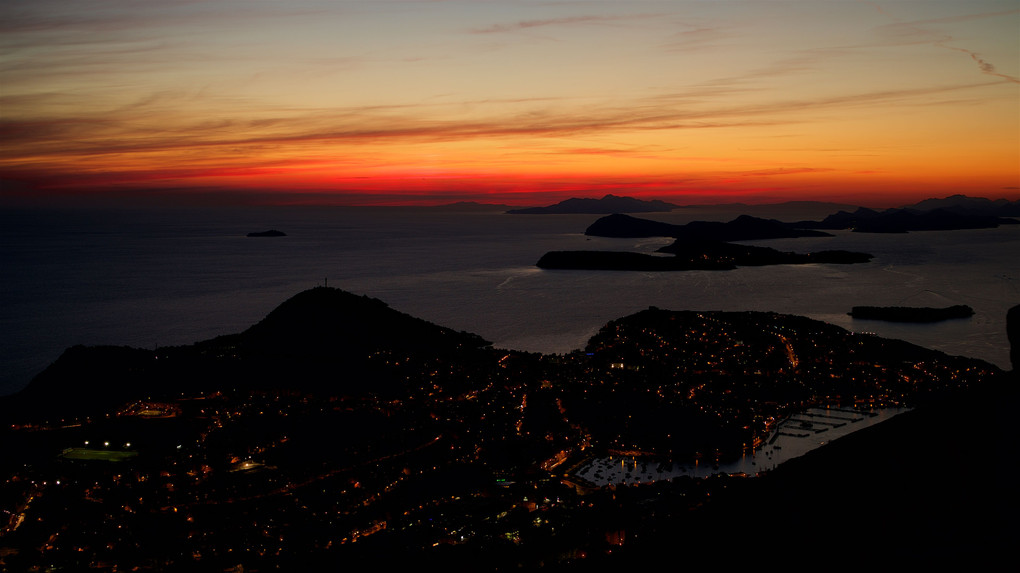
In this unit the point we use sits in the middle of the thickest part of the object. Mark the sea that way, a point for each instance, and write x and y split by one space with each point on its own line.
161 277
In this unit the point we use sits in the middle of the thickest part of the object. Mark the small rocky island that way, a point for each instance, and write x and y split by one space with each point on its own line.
700 245
743 228
269 233
692 255
911 314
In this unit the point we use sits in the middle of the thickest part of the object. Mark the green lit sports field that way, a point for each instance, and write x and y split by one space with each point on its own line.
90 454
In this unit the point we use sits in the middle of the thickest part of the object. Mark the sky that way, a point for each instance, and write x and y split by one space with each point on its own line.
516 102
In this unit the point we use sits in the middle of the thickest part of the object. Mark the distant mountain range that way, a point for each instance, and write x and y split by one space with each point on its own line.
269 233
950 213
603 206
946 218
609 204
470 206
970 205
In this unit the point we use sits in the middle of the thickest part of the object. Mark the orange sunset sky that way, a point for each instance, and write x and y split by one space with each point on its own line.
517 102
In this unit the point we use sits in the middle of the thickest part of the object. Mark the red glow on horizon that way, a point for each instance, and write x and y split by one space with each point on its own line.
308 179
282 186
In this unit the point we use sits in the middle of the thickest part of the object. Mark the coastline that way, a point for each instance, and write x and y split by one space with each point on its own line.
152 278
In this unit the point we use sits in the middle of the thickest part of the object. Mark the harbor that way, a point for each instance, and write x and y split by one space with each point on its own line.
792 438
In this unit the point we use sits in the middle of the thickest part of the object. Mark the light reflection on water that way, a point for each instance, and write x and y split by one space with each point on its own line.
793 438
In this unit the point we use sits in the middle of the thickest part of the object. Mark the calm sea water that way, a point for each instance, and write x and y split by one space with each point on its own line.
168 277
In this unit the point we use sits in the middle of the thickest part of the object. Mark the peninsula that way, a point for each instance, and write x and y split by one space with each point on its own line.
269 233
338 430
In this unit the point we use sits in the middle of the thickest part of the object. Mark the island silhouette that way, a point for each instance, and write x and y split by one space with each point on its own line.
911 313
699 245
607 204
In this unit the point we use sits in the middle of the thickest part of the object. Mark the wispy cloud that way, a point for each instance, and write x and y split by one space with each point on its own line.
968 17
984 66
921 32
202 89
564 21
695 38
783 171
104 17
129 131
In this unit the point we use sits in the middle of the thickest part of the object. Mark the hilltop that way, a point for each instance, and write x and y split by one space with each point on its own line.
323 339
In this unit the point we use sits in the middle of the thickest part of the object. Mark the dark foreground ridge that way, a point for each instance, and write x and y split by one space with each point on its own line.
322 339
269 233
1013 332
911 313
338 431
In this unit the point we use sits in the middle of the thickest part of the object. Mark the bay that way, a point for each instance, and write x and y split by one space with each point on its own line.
149 278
